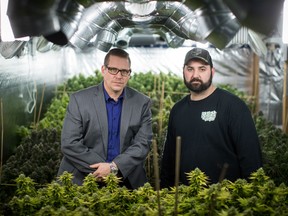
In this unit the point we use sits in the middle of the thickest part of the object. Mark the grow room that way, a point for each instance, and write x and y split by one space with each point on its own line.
50 49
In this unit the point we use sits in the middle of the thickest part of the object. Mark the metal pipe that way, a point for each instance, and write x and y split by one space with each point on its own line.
69 13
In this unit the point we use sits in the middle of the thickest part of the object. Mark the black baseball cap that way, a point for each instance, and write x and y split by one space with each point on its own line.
198 53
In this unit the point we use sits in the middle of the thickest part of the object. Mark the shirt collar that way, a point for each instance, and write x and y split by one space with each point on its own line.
107 97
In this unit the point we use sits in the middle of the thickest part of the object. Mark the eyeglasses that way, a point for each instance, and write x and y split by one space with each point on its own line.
115 71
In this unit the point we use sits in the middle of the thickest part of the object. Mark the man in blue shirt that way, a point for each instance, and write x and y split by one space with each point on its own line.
108 127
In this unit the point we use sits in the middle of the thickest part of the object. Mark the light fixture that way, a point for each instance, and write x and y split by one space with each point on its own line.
5 27
141 12
33 18
141 9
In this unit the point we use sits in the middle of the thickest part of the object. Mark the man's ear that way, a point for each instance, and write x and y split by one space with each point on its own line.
213 71
103 69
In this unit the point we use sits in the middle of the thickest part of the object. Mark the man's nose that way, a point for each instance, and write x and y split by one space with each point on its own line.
195 73
119 75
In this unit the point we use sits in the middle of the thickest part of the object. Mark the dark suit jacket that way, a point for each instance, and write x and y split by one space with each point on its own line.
85 134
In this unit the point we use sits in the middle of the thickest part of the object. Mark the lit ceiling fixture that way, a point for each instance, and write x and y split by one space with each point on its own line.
141 11
9 45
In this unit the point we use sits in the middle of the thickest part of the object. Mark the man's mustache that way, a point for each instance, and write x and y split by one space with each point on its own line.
195 80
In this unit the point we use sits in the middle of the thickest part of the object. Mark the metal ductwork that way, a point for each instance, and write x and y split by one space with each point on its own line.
11 49
106 37
131 37
69 13
124 38
171 38
140 40
174 21
172 16
98 20
216 23
98 24
43 45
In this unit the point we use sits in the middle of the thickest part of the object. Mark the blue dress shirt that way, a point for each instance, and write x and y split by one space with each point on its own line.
114 109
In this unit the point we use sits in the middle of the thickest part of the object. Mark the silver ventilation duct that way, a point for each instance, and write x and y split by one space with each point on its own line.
173 21
11 48
102 24
171 38
124 38
43 45
107 36
132 36
174 16
140 40
100 17
69 13
215 23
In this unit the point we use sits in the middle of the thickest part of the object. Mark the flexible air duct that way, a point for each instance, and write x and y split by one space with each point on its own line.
124 38
69 13
96 19
10 49
107 36
213 22
174 21
102 24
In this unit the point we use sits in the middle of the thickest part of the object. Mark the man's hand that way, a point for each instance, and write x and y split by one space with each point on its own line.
102 170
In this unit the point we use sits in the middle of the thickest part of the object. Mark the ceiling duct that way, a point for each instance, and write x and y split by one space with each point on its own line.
102 24
174 21
150 37
106 37
139 39
172 40
44 45
97 18
11 48
124 38
152 17
213 22
69 13
33 17
172 15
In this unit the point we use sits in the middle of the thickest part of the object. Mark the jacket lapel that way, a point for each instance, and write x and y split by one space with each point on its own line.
100 109
127 109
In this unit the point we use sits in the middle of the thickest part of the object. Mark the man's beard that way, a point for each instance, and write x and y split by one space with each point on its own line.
200 86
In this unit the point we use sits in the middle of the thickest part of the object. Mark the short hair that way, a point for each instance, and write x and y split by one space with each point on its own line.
117 52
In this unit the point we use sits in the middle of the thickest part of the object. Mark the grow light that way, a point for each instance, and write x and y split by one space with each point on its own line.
5 27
